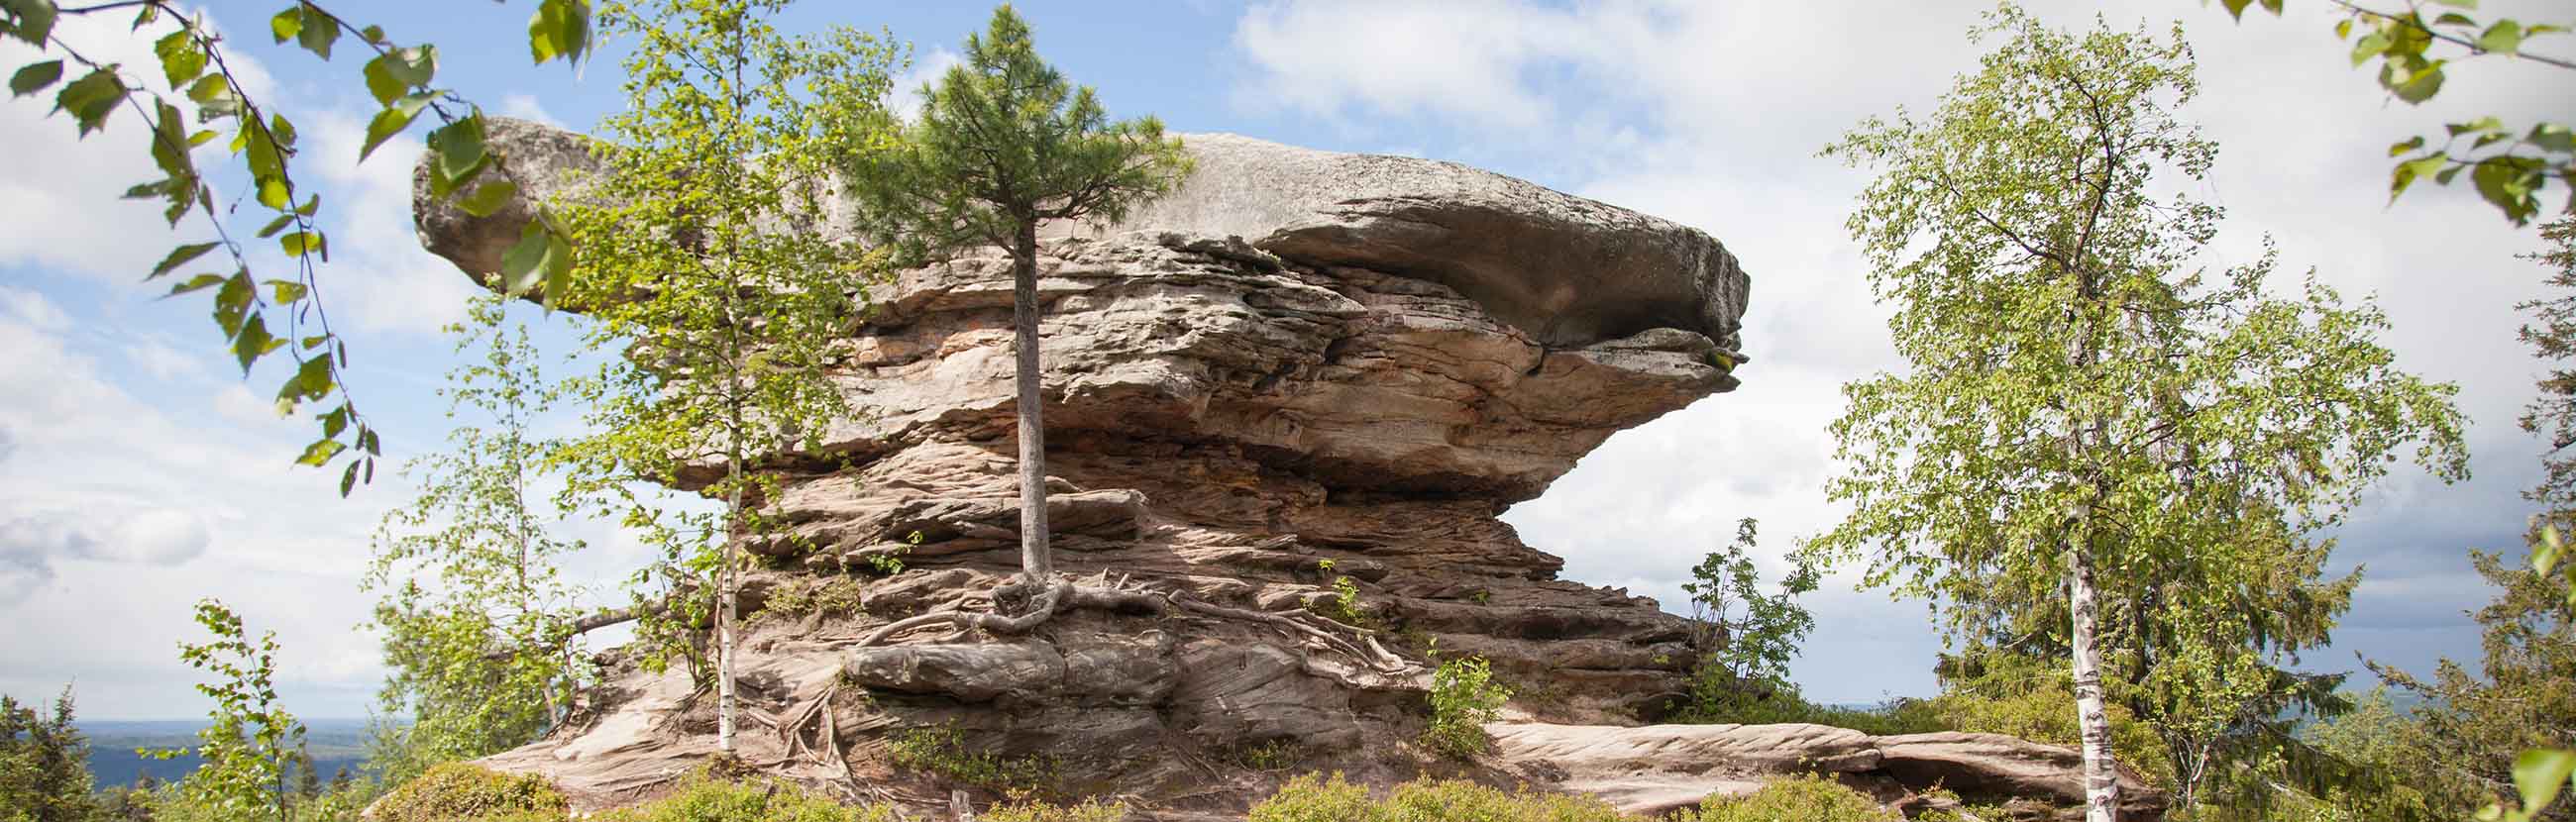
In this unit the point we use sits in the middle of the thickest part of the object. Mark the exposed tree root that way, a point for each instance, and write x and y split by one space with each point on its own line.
1101 594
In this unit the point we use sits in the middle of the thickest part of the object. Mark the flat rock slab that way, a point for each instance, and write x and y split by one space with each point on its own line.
1658 768
1567 270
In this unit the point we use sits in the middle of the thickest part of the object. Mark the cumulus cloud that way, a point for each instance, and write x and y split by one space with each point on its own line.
906 100
526 107
64 213
33 309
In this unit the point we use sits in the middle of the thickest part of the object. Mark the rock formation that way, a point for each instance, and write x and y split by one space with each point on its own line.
1300 370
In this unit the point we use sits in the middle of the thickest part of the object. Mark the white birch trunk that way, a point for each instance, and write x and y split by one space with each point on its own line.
2101 770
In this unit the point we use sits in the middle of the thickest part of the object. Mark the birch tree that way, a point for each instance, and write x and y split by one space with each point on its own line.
474 611
2089 413
702 265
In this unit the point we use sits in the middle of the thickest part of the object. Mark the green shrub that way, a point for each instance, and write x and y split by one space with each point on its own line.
1091 810
1804 798
704 799
942 750
1312 798
1464 697
1783 704
458 791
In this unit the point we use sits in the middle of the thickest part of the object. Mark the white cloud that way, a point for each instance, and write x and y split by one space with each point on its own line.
926 70
31 543
64 212
32 308
527 107
153 355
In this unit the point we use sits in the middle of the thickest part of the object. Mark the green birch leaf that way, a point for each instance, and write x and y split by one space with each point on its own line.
179 257
34 77
318 32
253 342
2552 137
524 266
2538 775
2505 37
391 121
286 25
488 198
196 283
320 452
181 59
35 19
91 98
274 193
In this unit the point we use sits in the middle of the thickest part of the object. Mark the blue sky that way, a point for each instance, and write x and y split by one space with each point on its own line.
139 473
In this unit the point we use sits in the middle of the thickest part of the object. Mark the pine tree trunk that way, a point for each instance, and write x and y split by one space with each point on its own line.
2101 771
1035 563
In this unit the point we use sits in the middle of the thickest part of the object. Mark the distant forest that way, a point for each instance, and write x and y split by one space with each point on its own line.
113 760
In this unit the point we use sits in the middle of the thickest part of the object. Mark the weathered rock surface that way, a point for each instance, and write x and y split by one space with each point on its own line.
1658 768
1302 369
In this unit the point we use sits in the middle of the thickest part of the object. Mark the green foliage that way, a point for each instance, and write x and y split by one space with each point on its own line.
825 597
250 740
2509 166
2551 334
1344 605
705 799
262 316
2389 746
943 750
1273 755
2475 728
1755 634
1003 142
44 764
475 615
2098 442
1091 810
701 270
457 791
1464 696
2000 692
1805 798
1314 798
1784 704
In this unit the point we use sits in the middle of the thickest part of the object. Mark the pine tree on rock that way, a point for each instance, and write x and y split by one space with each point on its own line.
1003 144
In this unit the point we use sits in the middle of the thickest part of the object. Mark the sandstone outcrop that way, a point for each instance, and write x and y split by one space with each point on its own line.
1296 394
1654 769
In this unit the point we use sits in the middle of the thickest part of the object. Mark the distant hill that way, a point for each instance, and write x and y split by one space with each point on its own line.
335 743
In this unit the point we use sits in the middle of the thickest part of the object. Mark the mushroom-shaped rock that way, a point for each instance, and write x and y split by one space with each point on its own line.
1293 395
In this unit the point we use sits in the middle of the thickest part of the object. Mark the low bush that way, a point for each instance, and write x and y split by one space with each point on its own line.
1091 810
1804 798
942 750
1464 697
456 792
1312 798
755 800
